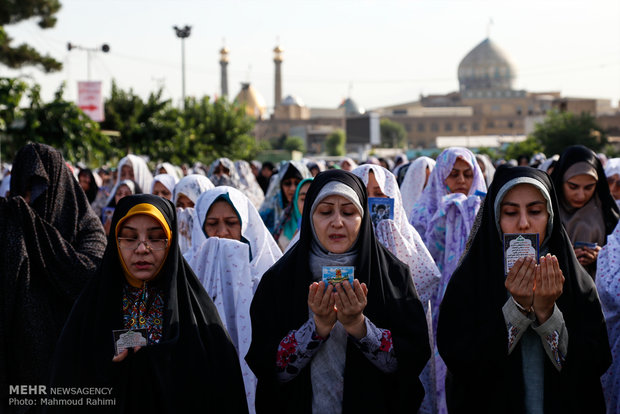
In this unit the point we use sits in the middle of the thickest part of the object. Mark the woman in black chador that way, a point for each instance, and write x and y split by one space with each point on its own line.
588 210
187 362
51 243
530 340
356 347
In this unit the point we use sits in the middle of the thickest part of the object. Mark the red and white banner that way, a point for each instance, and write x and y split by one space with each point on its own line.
90 99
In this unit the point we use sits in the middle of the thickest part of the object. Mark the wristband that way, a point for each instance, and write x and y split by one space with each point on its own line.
521 308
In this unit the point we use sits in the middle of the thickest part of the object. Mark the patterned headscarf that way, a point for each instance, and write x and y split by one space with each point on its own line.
413 183
231 180
400 237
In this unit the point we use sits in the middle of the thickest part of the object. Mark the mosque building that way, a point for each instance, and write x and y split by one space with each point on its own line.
486 105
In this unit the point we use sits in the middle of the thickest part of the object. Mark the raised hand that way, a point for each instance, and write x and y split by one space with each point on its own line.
520 282
549 284
350 303
586 255
321 302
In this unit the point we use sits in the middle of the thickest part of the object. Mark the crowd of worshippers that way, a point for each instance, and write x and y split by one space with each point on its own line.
440 285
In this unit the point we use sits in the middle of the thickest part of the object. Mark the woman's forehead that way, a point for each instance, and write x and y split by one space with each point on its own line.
335 199
142 221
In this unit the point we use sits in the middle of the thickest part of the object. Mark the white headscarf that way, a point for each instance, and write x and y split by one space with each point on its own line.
191 187
224 268
170 169
612 167
249 184
168 180
142 175
400 237
413 183
489 169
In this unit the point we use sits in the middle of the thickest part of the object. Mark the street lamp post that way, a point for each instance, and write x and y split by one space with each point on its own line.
183 33
104 48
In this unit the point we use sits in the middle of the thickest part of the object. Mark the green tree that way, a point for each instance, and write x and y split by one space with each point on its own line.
488 151
11 93
217 129
58 123
562 129
294 144
142 132
528 147
335 143
393 134
12 12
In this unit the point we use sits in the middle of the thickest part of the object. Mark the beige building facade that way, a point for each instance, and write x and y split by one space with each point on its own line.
486 104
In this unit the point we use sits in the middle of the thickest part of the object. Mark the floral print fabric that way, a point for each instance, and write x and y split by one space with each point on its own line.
299 346
143 308
608 286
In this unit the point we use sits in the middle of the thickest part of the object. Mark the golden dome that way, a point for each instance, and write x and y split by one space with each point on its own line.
254 103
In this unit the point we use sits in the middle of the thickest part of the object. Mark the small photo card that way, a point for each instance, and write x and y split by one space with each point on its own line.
518 245
380 209
129 338
582 244
337 274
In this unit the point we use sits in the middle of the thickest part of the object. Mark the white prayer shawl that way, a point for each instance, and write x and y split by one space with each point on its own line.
224 268
612 167
489 168
413 183
401 238
249 184
191 187
170 169
167 180
142 175
263 248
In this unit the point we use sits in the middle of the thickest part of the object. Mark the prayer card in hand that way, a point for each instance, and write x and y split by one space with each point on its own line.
337 274
518 245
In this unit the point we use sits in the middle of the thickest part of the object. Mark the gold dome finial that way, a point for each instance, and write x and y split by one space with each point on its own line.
277 54
224 54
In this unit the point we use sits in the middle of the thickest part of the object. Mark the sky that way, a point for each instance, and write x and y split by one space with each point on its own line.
379 52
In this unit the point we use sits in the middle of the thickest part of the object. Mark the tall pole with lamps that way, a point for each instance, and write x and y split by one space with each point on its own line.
183 33
104 48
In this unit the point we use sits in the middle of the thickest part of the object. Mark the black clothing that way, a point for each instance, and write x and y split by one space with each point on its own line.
194 364
93 189
579 153
280 305
48 252
609 209
473 339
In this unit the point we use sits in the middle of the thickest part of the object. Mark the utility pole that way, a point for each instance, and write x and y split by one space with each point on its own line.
104 48
183 33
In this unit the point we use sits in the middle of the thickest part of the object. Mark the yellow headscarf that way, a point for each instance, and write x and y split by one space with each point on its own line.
151 211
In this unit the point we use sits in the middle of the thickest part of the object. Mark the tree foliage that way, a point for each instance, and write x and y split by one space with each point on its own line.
137 121
393 134
12 12
294 144
528 147
335 143
562 129
203 131
58 123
